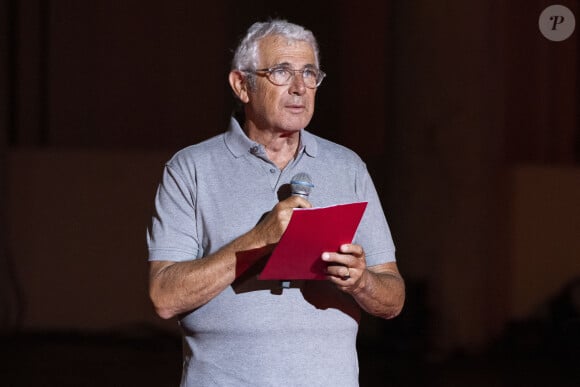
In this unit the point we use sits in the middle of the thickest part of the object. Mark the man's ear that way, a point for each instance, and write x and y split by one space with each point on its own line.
239 85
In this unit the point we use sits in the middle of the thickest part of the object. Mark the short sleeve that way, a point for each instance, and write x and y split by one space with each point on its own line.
373 233
172 234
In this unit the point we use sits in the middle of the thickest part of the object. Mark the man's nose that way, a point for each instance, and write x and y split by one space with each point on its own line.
297 85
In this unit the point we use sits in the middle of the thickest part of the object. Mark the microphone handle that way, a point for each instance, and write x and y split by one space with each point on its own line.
301 185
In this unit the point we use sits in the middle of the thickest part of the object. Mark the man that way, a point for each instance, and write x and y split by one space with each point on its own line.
220 199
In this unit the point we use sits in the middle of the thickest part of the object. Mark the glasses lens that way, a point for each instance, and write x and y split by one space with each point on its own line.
280 76
310 77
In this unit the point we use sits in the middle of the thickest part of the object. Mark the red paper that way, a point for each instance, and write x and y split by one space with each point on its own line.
311 232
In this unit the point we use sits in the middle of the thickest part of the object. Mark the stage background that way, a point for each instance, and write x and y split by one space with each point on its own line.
467 117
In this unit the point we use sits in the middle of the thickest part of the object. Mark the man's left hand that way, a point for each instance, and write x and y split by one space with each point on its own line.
347 267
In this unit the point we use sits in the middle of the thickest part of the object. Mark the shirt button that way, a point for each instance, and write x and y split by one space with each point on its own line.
272 170
254 149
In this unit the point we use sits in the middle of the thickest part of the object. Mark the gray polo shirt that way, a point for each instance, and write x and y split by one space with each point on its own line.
254 334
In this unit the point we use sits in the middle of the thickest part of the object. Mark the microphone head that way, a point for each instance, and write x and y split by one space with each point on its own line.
301 185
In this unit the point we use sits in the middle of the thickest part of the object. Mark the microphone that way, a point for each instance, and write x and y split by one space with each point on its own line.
301 185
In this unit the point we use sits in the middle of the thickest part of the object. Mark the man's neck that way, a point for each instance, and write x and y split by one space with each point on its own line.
281 147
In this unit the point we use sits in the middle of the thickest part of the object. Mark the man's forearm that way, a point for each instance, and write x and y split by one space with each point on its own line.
381 294
178 287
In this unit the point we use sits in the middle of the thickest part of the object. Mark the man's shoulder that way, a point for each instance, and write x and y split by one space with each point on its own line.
197 152
333 149
206 146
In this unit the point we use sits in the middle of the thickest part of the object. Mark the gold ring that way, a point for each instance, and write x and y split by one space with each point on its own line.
347 276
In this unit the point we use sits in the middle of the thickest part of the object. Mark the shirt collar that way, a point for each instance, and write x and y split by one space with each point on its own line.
240 144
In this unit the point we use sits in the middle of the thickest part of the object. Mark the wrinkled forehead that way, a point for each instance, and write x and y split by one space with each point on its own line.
279 49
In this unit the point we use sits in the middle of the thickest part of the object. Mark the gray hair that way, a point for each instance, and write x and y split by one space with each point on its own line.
246 56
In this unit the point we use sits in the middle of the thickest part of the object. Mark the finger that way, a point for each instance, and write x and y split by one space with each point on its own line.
297 202
336 259
339 271
348 260
353 249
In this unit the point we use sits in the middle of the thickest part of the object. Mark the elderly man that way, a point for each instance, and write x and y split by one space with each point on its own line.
221 198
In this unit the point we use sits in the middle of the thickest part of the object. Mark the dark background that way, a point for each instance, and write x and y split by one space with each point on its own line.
467 117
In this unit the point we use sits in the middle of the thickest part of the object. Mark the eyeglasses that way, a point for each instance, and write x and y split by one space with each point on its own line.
281 75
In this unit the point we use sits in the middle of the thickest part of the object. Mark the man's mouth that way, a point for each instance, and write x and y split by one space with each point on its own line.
295 107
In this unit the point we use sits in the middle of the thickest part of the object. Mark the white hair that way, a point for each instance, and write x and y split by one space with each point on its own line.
246 56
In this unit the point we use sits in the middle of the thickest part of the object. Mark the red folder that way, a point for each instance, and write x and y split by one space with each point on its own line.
311 232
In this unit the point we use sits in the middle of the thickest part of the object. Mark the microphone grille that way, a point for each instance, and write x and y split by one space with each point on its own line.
301 184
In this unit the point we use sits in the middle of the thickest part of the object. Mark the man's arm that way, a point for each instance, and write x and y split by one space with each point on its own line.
178 287
379 290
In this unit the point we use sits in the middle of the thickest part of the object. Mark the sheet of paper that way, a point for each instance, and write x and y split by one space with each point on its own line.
310 232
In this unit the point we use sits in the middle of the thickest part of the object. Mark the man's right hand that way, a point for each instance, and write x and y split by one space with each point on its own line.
271 228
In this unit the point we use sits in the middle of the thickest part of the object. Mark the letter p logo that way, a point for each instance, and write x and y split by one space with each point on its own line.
557 23
557 20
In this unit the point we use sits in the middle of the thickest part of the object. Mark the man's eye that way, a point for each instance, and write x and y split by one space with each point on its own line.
309 73
281 72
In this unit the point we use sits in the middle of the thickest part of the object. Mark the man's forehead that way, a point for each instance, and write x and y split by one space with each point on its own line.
279 49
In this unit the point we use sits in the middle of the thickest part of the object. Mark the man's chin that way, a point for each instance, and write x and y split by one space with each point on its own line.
293 125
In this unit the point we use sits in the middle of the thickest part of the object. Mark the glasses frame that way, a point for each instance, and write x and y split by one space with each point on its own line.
267 72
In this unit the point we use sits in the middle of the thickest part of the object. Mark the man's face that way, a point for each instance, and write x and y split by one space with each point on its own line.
282 108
